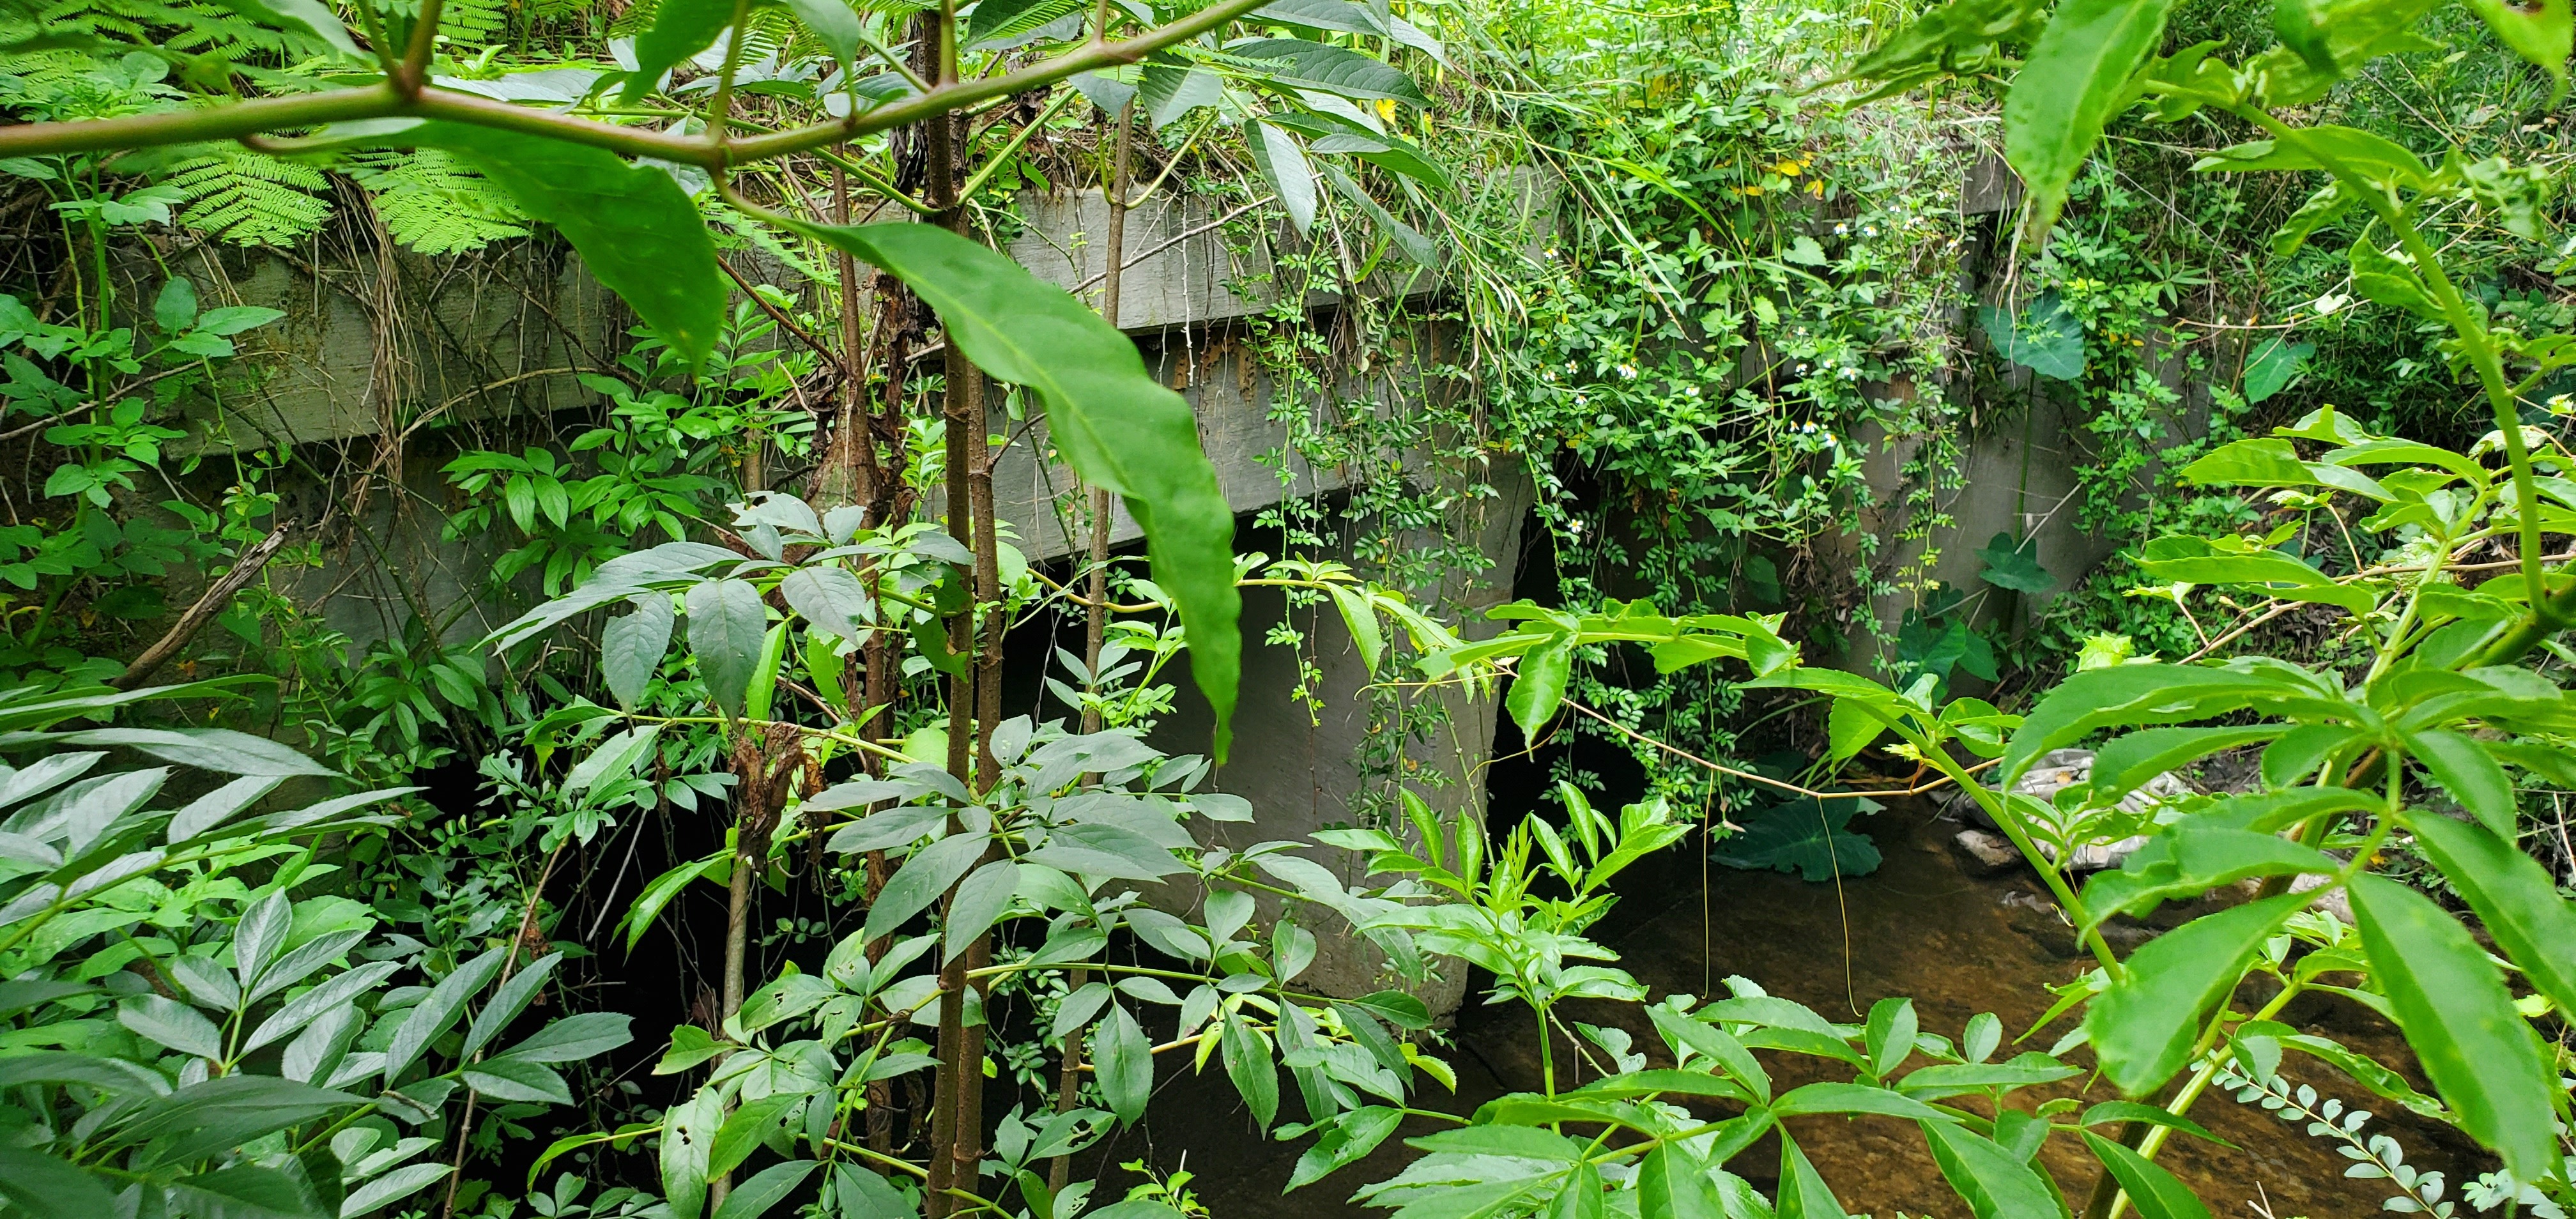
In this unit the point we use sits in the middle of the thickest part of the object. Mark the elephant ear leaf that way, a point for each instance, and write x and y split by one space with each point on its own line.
1116 425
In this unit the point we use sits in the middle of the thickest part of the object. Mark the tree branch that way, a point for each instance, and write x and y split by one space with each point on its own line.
203 612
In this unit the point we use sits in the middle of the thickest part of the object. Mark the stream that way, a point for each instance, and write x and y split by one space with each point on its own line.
1919 927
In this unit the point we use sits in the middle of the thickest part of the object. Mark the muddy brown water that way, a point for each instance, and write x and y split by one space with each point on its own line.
1918 927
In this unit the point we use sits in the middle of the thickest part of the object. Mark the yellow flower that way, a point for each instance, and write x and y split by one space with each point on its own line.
1386 109
1789 169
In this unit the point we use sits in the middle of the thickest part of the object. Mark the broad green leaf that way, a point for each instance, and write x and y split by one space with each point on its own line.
1314 65
2144 1025
2047 339
1851 727
1716 1044
1831 1097
2156 1193
747 1127
2270 572
1353 1135
1803 1192
2132 694
1117 426
1538 685
830 598
923 879
2127 763
2461 1022
2291 759
836 26
246 1189
2075 81
2542 31
1276 154
680 29
2136 1111
2463 768
756 699
631 647
2014 565
1892 1028
575 1037
980 902
506 1003
2514 896
2265 461
2275 364
517 1080
215 1117
1361 621
2380 277
1995 1183
1672 1184
1123 1061
1581 1197
433 1016
995 20
217 749
50 1188
728 626
634 228
1248 1064
755 1197
688 1136
173 1024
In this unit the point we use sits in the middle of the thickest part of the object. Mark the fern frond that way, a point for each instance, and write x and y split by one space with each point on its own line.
434 204
474 22
250 198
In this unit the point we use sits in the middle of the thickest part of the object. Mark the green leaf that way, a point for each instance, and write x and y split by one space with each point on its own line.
2265 461
1353 1135
2014 565
2130 694
2135 1111
836 26
575 1037
49 1188
217 749
219 1115
247 1190
980 902
1892 1028
1248 1064
756 699
1361 621
1298 63
2144 1025
1830 1097
2542 31
2047 340
433 1016
748 1127
173 1024
1117 426
176 308
2463 768
2460 1021
998 19
2127 763
1671 1184
1803 1192
1995 1183
634 228
1808 836
728 626
1124 1062
2075 81
923 879
1538 686
754 1198
2514 896
680 29
688 1133
518 1080
2156 1193
631 648
507 1002
830 598
2380 277
1851 727
2274 365
1276 154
